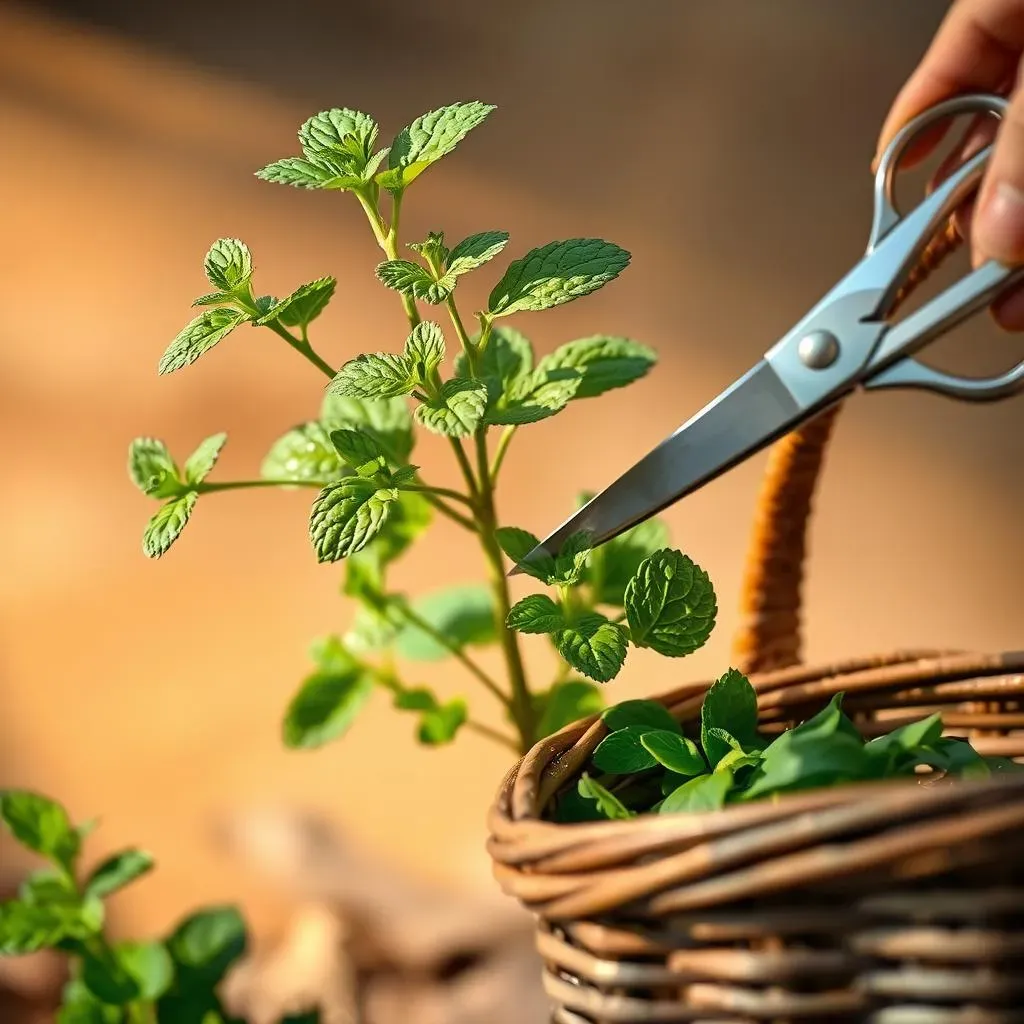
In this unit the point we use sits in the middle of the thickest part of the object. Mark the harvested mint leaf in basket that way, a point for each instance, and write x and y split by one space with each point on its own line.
728 760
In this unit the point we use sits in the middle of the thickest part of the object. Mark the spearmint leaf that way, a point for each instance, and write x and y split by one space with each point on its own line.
648 713
594 646
911 737
380 375
152 469
130 971
80 1006
304 453
613 565
430 137
409 516
608 804
325 706
411 279
117 871
535 397
372 630
165 527
535 614
304 304
603 361
228 264
517 544
704 793
456 410
205 331
674 751
342 137
571 560
299 173
439 725
506 360
475 251
25 928
464 615
418 698
213 299
389 421
205 944
670 604
424 349
41 825
432 248
360 450
566 703
830 721
621 752
204 458
730 705
347 515
556 273
797 761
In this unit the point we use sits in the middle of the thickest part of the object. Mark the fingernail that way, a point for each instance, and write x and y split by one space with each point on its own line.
999 226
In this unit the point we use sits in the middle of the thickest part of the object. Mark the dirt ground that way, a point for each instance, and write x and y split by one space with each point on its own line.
725 144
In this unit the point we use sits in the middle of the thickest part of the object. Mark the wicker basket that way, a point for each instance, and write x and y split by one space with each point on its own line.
894 903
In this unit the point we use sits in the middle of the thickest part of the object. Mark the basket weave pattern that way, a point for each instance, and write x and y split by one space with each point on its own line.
890 903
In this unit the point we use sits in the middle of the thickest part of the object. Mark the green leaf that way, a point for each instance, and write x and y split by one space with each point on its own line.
304 304
424 350
213 299
556 273
339 137
166 526
566 703
603 361
117 871
808 760
517 544
409 516
456 410
25 928
41 825
901 747
372 630
535 614
730 705
80 1006
594 646
347 515
411 279
464 615
506 360
299 173
704 793
201 334
228 264
204 458
608 804
475 251
48 911
131 971
439 725
205 944
571 560
639 712
613 564
325 706
432 249
830 721
621 752
304 453
152 469
380 375
360 450
430 137
534 397
675 752
418 698
389 421
670 604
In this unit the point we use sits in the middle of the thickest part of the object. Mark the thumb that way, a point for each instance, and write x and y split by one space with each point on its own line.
998 229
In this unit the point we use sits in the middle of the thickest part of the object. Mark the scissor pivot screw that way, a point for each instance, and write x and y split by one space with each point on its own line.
818 350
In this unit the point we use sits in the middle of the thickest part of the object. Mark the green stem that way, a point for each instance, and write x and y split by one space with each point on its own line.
467 469
499 453
467 345
303 347
417 620
238 485
387 239
440 491
521 706
492 734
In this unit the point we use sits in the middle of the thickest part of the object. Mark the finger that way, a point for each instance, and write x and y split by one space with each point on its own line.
1009 310
976 48
978 134
998 228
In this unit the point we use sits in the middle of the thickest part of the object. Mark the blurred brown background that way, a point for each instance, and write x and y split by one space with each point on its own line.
726 144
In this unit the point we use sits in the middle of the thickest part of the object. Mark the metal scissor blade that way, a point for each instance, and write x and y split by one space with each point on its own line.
750 414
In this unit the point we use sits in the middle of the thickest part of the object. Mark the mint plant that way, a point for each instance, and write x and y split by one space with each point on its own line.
647 763
473 382
172 980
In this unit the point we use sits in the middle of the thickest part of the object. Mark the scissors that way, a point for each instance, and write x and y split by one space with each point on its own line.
847 341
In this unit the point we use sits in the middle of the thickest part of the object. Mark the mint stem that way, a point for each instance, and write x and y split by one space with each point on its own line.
499 453
303 348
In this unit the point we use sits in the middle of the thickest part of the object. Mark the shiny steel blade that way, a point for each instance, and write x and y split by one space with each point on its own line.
750 414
